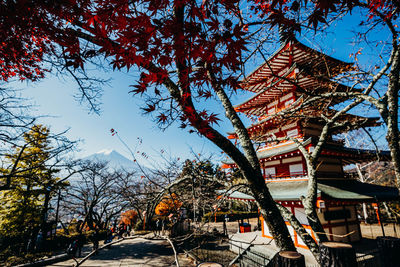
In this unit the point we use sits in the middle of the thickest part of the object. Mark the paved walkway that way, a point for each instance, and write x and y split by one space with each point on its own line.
266 246
133 252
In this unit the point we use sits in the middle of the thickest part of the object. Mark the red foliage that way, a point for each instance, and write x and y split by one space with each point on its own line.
157 36
129 217
29 29
145 35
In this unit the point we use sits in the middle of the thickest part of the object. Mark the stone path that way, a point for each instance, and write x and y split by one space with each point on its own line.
133 252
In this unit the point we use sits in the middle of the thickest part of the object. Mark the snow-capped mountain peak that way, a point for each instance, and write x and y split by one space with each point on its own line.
105 151
115 159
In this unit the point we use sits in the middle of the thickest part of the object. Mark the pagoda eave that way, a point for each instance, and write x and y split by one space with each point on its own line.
290 149
294 51
332 192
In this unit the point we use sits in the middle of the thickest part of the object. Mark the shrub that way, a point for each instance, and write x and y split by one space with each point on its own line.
138 225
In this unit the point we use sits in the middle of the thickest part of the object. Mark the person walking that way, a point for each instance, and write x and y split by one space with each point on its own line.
72 248
81 241
121 230
95 240
109 236
158 227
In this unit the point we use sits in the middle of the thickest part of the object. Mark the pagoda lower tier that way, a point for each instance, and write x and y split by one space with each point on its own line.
336 205
273 127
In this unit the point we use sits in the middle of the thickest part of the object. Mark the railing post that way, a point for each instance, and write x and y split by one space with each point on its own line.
335 254
389 250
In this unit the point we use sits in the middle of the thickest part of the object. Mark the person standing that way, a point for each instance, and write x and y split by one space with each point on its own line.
163 225
158 227
39 241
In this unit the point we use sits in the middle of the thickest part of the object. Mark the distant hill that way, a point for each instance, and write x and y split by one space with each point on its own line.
115 160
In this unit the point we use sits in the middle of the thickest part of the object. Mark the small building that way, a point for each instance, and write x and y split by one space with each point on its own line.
287 79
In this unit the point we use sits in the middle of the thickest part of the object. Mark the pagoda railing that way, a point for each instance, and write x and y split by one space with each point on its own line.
301 174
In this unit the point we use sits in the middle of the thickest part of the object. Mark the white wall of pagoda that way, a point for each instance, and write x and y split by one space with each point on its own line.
340 223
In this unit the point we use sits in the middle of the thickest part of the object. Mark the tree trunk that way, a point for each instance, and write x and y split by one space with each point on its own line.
301 231
309 203
44 213
287 259
335 254
390 114
251 170
364 206
389 248
271 215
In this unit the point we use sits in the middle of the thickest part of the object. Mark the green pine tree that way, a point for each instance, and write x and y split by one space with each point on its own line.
24 206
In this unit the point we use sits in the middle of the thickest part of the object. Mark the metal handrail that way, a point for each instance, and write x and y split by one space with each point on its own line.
242 252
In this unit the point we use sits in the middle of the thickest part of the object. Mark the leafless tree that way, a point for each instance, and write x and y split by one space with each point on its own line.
94 195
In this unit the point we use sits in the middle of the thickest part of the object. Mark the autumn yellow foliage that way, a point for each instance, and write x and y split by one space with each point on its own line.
169 204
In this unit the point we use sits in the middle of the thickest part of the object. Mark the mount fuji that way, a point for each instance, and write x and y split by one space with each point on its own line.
115 160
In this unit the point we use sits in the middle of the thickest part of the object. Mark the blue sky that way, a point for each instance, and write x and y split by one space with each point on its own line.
121 111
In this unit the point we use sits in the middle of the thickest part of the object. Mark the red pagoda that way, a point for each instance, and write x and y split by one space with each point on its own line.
286 80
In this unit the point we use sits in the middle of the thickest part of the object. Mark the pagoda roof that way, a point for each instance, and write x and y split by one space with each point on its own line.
346 154
332 189
280 149
293 52
335 189
355 155
347 122
296 76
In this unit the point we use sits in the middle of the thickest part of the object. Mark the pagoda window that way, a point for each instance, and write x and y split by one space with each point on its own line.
271 110
292 133
270 172
286 97
289 126
296 169
292 159
287 103
273 104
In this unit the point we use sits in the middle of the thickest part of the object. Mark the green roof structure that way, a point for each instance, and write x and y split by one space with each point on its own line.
336 190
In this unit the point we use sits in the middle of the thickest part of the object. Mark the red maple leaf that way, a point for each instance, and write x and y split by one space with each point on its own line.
162 118
212 118
149 108
140 88
207 94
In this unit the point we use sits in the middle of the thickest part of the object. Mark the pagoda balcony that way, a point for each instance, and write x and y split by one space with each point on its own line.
275 144
303 175
292 175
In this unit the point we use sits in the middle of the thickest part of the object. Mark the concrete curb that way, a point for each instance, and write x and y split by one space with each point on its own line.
45 262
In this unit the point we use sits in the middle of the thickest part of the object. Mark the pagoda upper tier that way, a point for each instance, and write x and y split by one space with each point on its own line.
319 64
294 83
286 87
